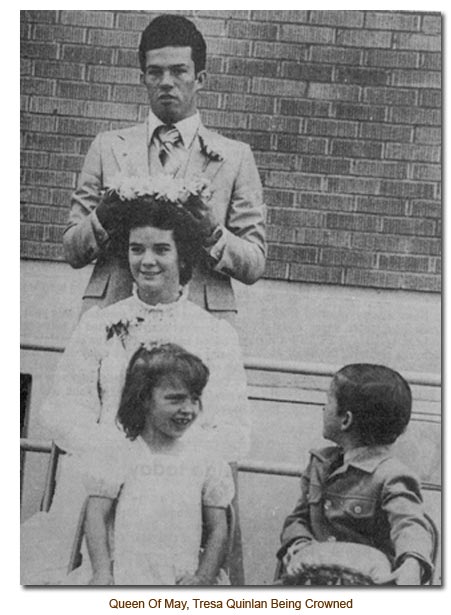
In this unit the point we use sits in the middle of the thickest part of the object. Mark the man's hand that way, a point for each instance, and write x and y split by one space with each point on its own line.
112 214
203 217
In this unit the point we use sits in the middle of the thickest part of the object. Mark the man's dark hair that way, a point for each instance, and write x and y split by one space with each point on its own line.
146 370
173 31
379 399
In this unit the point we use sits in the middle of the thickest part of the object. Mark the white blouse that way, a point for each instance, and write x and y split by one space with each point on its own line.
81 409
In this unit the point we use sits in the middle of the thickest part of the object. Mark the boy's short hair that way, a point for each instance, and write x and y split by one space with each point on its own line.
173 31
145 371
379 399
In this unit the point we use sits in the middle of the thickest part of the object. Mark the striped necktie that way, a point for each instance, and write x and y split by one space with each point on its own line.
170 148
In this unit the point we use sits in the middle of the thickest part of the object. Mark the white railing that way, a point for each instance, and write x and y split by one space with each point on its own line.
269 365
248 465
287 367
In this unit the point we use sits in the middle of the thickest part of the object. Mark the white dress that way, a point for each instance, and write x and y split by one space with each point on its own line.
158 520
81 409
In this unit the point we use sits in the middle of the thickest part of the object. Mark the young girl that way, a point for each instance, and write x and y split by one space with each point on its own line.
165 485
357 491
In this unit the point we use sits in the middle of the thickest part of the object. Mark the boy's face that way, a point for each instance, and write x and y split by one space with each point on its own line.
332 422
172 83
172 408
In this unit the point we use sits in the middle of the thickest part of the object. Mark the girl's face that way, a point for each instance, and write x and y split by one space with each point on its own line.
172 409
154 264
331 420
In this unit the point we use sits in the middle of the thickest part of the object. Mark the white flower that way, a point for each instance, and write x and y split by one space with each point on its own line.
173 193
115 183
155 343
127 190
145 187
199 186
161 187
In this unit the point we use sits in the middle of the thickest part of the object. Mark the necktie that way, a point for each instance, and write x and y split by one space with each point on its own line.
170 151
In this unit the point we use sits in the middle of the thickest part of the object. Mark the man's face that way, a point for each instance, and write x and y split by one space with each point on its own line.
172 83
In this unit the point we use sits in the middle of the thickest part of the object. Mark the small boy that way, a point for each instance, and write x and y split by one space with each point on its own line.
357 491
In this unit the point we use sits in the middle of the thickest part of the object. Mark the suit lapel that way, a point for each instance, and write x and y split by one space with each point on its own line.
131 151
206 157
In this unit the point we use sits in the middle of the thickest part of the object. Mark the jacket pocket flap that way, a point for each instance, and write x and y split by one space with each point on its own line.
359 508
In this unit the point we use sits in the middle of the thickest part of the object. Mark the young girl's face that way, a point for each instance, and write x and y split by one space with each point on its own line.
331 419
172 409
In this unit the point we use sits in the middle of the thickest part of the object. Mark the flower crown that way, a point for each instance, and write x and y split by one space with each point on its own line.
160 187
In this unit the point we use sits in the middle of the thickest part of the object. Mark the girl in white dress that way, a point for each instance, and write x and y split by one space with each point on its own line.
81 409
165 484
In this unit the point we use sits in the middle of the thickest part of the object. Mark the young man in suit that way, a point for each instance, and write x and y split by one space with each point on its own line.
172 56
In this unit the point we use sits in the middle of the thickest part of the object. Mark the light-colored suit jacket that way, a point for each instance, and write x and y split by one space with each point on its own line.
237 201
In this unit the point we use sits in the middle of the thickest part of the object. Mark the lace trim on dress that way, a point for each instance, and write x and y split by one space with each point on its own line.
133 312
160 307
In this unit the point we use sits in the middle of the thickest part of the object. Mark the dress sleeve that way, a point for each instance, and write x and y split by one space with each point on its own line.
103 470
226 417
72 410
218 489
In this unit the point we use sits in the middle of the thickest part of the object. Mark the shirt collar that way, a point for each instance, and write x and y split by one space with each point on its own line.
160 307
355 453
187 127
366 458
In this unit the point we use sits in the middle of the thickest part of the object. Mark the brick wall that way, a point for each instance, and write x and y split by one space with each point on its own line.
342 110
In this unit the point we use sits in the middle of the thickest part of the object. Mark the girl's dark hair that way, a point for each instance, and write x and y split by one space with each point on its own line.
165 215
144 373
173 31
378 397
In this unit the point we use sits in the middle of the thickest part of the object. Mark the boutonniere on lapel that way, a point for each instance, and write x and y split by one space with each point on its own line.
211 152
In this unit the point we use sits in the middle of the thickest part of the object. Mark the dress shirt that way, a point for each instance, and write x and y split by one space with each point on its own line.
187 128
